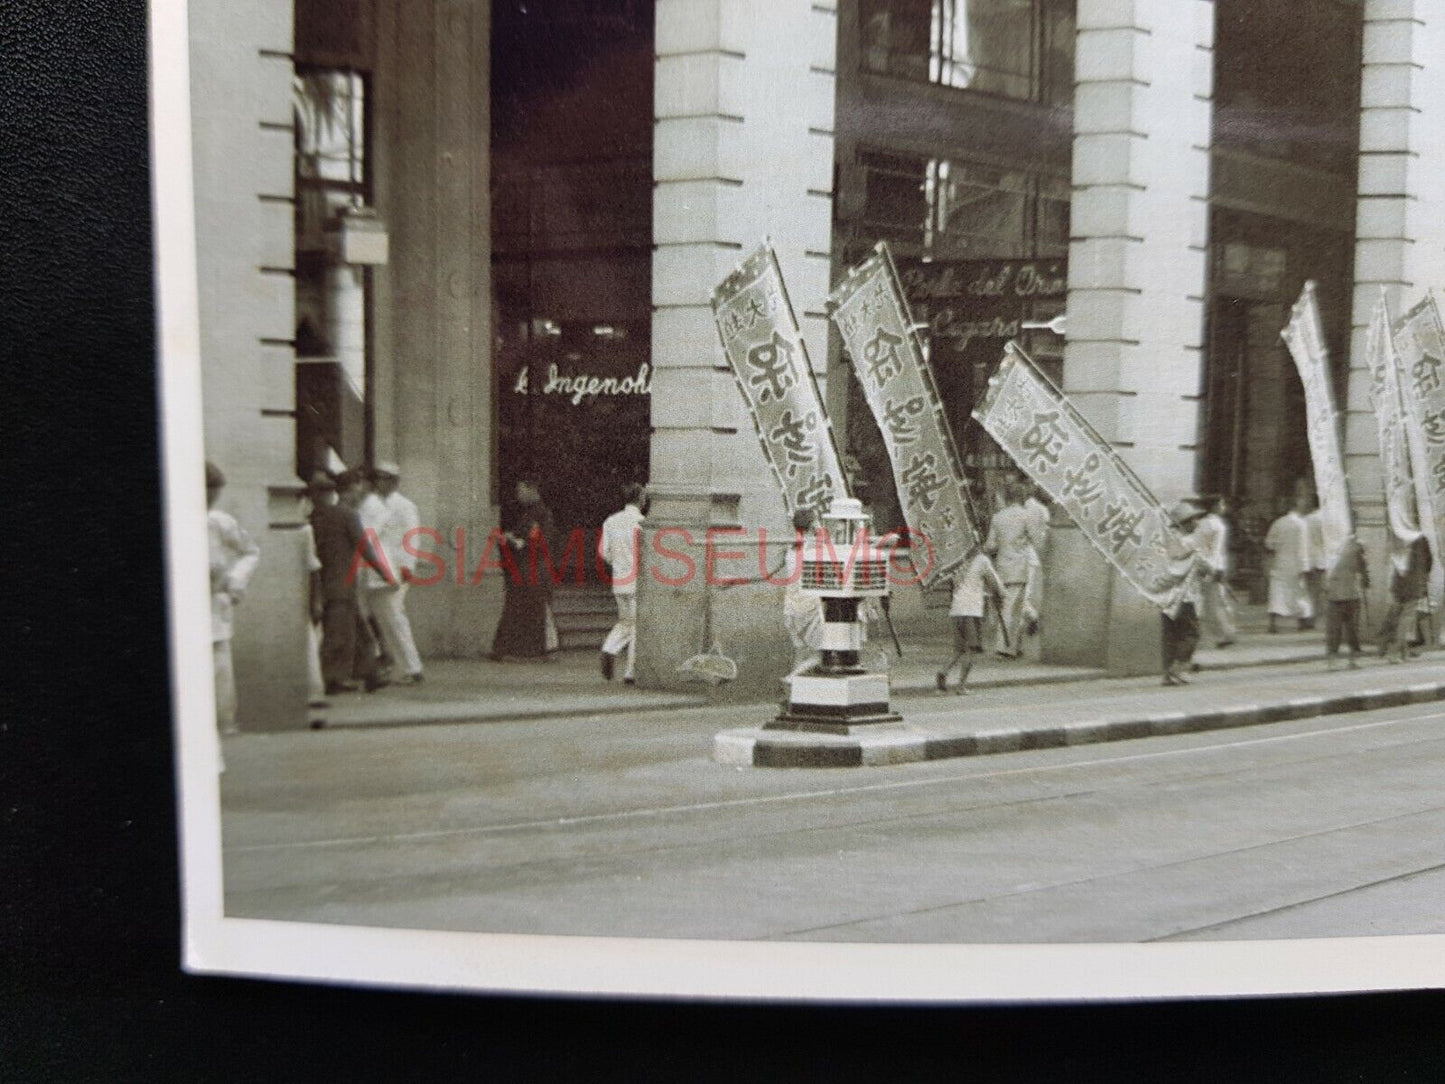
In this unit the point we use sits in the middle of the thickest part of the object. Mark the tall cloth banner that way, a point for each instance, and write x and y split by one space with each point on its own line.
769 360
1420 347
1403 509
1055 445
1305 337
871 313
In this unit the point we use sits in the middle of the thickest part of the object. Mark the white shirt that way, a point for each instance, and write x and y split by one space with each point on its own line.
1289 540
1038 524
391 518
618 545
233 559
1212 538
970 589
1009 540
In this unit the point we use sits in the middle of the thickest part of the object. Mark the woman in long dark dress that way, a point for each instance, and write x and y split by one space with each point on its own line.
522 630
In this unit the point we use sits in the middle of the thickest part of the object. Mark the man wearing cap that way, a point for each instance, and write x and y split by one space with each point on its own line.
1179 627
233 560
392 517
347 649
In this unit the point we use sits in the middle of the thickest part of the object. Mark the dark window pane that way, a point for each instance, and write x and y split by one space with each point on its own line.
1014 48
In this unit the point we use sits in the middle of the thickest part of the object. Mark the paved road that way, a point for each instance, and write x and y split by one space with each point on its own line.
622 826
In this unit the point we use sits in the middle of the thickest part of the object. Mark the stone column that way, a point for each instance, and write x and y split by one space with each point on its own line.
241 70
743 150
1399 224
1137 272
432 354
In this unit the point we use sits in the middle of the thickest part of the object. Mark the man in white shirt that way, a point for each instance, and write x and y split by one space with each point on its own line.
1212 538
233 559
1010 544
392 517
618 545
1288 543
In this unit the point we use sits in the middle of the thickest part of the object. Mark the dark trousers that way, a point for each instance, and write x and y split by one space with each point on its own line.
1180 635
347 647
1342 622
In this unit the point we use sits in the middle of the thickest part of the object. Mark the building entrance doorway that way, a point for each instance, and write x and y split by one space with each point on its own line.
1255 446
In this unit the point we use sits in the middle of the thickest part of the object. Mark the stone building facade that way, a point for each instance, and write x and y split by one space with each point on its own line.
1186 163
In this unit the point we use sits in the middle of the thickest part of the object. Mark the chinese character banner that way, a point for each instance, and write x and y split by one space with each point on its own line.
872 316
1420 346
1305 337
765 349
1403 498
1053 443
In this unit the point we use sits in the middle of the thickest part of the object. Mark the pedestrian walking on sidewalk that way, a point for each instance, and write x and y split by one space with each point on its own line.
1179 628
525 631
1344 587
1410 565
620 544
976 584
1010 544
233 559
1288 543
1212 537
348 649
393 517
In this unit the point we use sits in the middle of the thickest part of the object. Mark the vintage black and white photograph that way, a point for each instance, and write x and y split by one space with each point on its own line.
953 484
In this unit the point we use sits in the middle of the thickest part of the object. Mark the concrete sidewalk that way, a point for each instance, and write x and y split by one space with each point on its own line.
569 684
1003 720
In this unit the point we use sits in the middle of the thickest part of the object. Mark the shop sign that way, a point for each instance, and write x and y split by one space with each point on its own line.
769 360
1305 337
980 302
1054 445
871 314
579 386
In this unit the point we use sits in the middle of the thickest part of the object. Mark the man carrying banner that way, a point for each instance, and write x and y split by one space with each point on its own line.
1010 544
1179 625
1410 565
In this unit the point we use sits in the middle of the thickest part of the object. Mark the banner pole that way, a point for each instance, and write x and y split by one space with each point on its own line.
812 376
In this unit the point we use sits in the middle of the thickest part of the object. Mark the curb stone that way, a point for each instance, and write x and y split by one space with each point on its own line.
752 746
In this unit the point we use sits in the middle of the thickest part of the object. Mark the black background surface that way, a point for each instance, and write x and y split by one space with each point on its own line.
90 985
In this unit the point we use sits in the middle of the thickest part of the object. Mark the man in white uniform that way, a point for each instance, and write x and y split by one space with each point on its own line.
392 517
1288 543
233 560
618 545
1010 545
1212 539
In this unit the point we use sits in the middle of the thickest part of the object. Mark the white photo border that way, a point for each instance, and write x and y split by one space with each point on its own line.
592 966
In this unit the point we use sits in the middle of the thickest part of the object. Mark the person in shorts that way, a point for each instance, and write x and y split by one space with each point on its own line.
973 586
